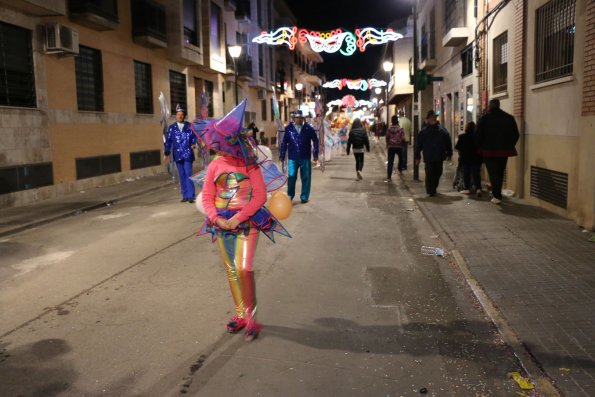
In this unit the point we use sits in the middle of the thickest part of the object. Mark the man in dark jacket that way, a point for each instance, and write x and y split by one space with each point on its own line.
434 141
497 134
298 140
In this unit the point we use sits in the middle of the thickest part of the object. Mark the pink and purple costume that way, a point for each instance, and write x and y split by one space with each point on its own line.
234 186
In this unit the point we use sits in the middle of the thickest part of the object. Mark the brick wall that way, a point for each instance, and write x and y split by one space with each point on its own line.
589 83
519 60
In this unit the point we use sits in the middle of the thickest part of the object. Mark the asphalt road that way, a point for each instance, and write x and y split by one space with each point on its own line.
126 301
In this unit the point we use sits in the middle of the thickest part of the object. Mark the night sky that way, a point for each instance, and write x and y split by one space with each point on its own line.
325 15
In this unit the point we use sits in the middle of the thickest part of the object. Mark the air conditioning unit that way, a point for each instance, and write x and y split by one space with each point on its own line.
60 39
262 93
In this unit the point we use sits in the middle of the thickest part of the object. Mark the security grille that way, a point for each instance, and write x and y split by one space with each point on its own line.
550 186
94 166
191 25
143 87
500 65
89 79
23 177
145 159
17 77
554 32
177 90
210 90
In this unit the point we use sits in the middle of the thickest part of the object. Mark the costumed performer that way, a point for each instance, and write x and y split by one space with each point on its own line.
297 143
234 192
181 141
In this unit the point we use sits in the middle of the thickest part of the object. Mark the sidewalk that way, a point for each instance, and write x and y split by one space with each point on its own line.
16 219
536 267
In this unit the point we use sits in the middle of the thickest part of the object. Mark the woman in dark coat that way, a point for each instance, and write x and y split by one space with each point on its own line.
358 138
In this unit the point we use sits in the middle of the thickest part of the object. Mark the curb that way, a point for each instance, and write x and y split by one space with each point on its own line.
79 210
530 365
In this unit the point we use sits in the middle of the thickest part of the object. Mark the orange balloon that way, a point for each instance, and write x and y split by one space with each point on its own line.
280 205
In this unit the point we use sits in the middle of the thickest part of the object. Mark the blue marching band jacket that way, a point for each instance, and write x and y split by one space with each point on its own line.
180 142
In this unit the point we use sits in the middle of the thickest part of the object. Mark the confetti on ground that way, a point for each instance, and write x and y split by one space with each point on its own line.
523 383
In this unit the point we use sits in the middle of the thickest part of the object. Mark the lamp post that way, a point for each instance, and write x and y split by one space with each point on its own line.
388 67
234 52
299 87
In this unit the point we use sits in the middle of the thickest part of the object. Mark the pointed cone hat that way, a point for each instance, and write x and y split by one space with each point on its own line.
226 136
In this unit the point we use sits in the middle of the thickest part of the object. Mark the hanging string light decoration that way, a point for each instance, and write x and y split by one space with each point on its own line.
349 100
337 40
357 84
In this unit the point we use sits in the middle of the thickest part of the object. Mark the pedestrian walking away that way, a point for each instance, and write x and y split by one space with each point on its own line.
300 142
434 141
181 142
254 129
394 146
358 138
405 124
470 160
233 197
496 136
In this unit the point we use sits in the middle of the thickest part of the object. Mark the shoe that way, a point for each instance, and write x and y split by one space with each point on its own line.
466 191
478 193
235 324
359 175
388 180
190 200
494 200
431 194
252 331
183 200
304 201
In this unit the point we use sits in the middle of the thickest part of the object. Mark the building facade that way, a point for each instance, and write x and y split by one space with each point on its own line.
536 57
80 79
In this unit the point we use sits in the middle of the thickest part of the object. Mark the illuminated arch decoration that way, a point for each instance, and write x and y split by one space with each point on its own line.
283 35
357 84
346 101
338 40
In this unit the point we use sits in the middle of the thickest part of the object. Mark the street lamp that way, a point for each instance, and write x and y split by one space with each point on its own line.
234 52
299 86
388 67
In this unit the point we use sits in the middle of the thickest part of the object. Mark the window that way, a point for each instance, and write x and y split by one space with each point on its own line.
148 19
259 12
500 66
89 79
272 110
432 35
554 33
17 77
177 90
454 14
104 8
94 166
467 60
143 88
263 110
209 89
22 177
261 60
145 159
271 69
223 92
190 23
215 29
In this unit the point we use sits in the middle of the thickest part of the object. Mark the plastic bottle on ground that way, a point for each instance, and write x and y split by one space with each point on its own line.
434 251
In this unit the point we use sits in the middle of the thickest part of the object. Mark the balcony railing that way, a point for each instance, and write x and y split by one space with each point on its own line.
148 23
96 14
244 65
243 10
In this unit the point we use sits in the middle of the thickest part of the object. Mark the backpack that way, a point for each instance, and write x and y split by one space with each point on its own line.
396 136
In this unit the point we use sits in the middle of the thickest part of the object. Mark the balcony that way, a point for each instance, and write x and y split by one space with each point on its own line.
427 53
180 48
40 8
243 10
244 65
455 37
148 24
230 5
99 15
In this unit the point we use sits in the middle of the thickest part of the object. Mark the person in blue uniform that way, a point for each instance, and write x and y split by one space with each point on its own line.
181 141
297 143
